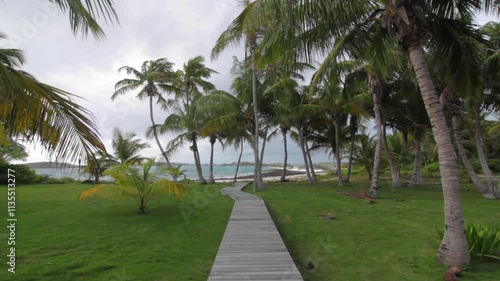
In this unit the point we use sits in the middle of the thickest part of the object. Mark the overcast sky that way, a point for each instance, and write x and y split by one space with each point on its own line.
149 29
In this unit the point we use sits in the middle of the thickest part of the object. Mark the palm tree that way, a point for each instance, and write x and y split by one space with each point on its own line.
97 164
153 79
450 99
39 113
141 184
317 22
364 152
126 148
238 29
187 122
191 78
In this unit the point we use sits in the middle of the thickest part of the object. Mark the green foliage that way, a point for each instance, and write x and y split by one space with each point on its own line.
23 174
170 243
141 183
432 167
483 241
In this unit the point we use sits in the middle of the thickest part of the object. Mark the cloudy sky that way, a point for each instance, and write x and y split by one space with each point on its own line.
149 29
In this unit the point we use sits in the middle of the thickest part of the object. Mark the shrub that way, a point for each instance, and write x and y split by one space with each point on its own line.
483 241
23 173
433 167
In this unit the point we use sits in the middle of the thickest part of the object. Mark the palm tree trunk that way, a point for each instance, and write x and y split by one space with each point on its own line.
304 154
465 160
257 177
394 169
480 152
375 92
285 161
311 165
337 154
211 177
416 177
155 133
454 250
353 125
197 163
264 142
238 164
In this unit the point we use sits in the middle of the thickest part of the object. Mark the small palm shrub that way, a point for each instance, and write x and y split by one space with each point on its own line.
483 241
142 183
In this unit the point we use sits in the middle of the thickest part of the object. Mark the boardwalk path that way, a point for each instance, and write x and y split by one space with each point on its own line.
252 248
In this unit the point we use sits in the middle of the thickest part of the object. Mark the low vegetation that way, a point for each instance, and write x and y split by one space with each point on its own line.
393 239
61 238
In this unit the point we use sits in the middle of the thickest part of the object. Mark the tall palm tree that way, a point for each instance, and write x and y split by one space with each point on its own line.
187 122
191 79
240 29
154 78
39 113
126 148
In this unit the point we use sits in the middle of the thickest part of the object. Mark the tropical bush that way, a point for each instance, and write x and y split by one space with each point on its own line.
483 241
142 184
23 173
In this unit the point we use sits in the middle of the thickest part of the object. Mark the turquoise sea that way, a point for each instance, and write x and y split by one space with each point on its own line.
220 171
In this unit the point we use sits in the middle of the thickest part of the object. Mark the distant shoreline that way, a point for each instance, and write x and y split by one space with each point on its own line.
55 165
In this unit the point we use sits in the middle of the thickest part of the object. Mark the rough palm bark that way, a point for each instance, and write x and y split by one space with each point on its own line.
197 161
264 142
416 177
211 176
311 165
353 129
257 178
238 164
306 162
480 152
155 133
337 153
453 250
285 161
375 92
394 171
478 183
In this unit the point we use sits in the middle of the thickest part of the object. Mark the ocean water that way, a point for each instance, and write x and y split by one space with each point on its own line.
220 171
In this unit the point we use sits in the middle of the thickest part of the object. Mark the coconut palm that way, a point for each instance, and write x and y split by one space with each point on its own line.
241 29
126 148
450 99
187 122
142 184
39 113
97 164
154 78
364 152
192 79
83 15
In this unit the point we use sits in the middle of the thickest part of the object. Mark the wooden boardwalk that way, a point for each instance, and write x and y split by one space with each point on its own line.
252 248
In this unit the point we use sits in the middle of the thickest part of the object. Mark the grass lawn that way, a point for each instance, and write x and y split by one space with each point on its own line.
388 240
59 238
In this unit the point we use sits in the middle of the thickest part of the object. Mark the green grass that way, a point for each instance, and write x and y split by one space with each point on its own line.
388 240
61 238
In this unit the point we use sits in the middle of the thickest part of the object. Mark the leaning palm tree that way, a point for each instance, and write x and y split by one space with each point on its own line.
186 122
126 147
153 79
39 113
141 184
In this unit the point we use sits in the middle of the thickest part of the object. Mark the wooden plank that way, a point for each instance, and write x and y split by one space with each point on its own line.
252 248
